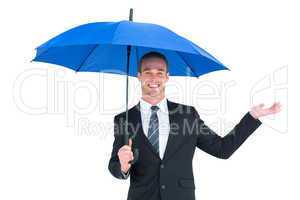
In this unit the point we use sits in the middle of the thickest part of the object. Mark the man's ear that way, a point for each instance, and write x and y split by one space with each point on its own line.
168 76
139 76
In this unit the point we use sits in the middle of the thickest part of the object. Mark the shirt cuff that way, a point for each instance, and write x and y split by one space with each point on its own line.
125 175
253 121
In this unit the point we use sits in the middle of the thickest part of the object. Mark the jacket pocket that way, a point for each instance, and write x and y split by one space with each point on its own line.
186 183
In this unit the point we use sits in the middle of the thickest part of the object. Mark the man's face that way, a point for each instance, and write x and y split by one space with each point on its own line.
153 77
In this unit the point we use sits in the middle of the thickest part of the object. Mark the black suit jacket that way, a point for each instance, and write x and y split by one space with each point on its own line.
171 178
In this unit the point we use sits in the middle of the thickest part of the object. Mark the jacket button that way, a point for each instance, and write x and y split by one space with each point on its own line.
163 187
162 166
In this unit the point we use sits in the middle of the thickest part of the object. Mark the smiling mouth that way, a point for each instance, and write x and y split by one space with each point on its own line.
153 85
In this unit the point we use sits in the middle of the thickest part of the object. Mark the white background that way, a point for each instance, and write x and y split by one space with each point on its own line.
56 126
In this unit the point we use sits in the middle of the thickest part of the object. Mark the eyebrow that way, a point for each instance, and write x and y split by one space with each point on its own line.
145 69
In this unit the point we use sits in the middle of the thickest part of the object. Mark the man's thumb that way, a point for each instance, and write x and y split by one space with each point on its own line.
261 105
130 142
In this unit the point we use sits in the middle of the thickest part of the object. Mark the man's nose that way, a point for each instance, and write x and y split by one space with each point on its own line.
154 76
153 79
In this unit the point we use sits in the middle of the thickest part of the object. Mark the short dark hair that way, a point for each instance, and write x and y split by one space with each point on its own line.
152 54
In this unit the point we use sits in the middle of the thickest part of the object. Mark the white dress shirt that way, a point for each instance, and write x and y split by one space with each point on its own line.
163 120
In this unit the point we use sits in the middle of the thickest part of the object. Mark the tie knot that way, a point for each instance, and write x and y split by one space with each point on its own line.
154 108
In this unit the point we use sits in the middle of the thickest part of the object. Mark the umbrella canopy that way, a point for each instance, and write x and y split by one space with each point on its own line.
116 47
102 47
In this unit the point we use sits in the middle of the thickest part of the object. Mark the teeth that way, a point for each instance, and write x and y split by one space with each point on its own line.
153 85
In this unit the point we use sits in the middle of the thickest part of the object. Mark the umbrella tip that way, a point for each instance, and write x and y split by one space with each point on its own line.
130 14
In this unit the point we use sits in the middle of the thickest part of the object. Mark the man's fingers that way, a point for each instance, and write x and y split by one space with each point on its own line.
276 104
128 153
126 164
126 147
126 158
130 158
276 107
125 153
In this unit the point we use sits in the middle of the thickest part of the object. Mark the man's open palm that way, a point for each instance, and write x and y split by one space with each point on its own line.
260 111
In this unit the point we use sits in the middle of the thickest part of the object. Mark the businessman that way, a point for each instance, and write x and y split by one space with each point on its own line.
167 134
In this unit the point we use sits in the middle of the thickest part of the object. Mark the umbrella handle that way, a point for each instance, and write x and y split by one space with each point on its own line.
135 156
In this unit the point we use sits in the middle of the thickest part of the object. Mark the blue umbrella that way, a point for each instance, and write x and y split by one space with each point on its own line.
103 47
116 47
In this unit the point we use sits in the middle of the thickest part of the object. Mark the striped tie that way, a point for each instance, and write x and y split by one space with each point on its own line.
153 132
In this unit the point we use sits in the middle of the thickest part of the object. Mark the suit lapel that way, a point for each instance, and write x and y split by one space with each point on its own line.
175 137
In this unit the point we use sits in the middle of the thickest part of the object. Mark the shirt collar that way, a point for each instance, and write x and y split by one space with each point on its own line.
145 106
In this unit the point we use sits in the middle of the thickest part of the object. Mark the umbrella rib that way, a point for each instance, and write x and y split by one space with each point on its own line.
114 35
187 64
89 54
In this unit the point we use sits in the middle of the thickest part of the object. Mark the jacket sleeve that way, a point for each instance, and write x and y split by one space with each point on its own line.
224 147
114 165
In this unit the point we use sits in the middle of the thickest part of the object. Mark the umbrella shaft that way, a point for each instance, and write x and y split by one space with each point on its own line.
127 79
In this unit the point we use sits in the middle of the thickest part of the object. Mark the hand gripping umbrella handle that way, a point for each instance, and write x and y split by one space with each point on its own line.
135 156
